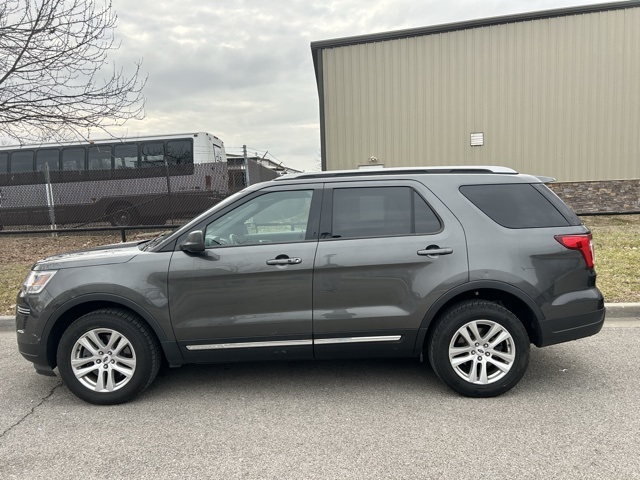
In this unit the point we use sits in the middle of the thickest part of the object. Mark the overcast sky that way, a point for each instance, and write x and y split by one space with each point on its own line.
242 70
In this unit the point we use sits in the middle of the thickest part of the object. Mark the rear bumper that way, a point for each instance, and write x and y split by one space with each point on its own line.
571 328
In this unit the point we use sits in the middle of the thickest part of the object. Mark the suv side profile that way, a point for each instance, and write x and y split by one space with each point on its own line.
468 265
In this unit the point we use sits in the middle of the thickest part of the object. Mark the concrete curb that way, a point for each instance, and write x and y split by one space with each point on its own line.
623 310
620 312
7 323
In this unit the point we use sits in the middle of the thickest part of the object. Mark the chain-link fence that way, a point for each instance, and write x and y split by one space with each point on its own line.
154 195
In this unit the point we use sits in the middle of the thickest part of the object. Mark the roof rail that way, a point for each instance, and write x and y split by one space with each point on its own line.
400 171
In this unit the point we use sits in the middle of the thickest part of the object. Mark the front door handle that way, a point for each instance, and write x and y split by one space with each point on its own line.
434 251
284 261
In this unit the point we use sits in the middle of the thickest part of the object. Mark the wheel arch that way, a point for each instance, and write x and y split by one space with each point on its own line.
66 314
512 298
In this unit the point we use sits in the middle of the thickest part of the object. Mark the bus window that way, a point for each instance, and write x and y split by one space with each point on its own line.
50 157
4 162
73 159
21 162
100 157
152 154
217 153
179 152
126 156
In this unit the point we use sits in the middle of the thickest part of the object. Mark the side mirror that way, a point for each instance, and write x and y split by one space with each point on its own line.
194 242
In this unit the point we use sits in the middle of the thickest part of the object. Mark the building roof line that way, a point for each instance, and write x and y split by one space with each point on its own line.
468 24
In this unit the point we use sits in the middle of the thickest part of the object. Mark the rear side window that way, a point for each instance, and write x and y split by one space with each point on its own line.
562 207
515 205
381 211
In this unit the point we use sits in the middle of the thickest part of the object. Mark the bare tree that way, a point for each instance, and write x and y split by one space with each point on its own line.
55 80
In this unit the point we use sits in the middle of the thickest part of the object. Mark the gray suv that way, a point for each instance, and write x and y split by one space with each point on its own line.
466 265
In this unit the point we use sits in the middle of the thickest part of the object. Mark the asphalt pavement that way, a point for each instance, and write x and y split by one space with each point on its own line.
575 415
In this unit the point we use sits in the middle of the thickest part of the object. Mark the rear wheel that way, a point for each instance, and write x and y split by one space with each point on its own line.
479 349
123 215
108 357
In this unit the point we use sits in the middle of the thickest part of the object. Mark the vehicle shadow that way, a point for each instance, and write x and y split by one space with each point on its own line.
557 368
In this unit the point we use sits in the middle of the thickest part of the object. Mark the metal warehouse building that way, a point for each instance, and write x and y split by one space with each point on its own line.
554 93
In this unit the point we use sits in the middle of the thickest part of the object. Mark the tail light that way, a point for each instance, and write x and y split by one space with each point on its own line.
583 243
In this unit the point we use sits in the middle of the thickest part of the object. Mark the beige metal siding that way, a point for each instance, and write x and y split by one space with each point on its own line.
557 97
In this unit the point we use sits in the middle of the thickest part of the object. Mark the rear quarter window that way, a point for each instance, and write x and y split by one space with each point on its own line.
518 205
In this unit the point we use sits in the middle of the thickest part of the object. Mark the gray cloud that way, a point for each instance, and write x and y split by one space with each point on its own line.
243 70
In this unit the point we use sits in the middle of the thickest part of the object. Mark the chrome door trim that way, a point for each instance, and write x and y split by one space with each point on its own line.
378 338
296 343
274 343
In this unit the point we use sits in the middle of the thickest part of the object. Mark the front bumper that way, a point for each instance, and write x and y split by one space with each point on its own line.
28 332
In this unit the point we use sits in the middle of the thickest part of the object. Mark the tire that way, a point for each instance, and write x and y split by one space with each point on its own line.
97 376
479 349
123 215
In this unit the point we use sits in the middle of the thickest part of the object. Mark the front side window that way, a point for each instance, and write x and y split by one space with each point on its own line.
4 162
275 217
381 211
21 162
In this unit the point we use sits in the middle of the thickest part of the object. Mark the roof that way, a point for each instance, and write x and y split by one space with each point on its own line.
99 141
467 24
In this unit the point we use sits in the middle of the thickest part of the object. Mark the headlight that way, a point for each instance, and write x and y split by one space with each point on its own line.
37 280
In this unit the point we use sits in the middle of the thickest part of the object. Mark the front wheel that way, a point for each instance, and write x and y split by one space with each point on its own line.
479 349
108 357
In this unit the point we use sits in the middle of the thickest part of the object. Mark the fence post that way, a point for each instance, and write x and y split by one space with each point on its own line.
247 182
166 169
49 194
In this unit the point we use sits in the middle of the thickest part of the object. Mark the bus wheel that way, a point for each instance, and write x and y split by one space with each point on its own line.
123 215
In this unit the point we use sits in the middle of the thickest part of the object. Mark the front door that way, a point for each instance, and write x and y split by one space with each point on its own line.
249 294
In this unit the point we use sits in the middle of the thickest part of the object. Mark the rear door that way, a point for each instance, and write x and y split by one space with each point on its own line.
388 250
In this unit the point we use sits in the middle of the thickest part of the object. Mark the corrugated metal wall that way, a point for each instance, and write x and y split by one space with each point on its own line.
557 97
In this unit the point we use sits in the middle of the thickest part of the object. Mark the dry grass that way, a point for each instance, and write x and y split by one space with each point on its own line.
617 247
617 243
20 253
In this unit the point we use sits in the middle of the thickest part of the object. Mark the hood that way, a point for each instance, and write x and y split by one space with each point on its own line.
104 255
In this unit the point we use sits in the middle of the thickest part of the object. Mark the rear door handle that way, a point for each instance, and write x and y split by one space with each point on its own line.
434 251
284 261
